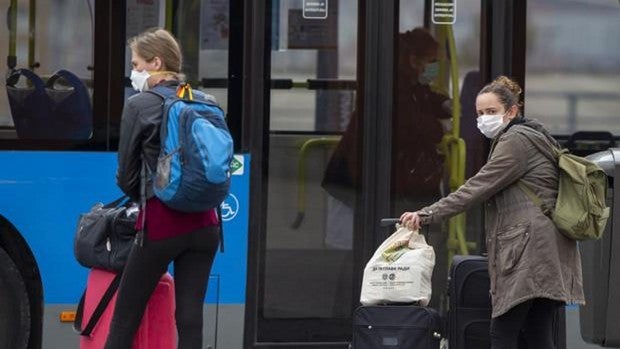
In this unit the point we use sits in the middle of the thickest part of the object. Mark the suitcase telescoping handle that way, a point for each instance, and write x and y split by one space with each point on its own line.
386 222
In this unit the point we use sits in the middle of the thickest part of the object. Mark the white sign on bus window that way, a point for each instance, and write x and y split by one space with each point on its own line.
444 11
315 9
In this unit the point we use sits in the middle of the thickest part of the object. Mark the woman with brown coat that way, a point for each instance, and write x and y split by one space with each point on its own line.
533 268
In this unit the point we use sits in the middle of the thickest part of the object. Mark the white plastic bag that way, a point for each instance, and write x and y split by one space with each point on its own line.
406 276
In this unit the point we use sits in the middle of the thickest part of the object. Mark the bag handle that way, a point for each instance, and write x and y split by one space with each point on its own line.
116 202
73 80
101 307
28 74
388 222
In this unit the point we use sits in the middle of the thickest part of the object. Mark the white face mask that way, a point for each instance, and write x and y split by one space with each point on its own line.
139 80
490 125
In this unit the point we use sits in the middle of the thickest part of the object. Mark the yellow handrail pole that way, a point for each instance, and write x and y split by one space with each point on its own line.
168 16
301 173
456 226
454 72
447 145
457 237
456 131
461 218
12 58
32 25
440 84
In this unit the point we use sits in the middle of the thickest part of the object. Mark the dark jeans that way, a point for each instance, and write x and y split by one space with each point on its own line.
531 320
192 255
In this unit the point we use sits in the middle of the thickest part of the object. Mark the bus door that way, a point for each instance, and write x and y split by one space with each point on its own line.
305 265
326 174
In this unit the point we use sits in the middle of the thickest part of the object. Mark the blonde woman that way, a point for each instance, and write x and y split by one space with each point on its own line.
189 240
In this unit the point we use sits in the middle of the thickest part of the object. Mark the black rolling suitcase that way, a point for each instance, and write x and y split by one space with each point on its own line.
469 317
396 326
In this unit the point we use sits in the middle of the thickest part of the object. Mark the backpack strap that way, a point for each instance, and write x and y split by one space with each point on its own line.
557 152
535 198
145 172
165 91
162 91
221 224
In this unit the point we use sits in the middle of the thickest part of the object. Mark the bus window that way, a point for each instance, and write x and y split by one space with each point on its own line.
308 49
48 91
573 81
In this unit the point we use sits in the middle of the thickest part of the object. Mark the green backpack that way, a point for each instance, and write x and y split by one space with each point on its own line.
580 211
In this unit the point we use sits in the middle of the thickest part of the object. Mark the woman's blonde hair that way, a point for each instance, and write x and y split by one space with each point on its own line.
158 43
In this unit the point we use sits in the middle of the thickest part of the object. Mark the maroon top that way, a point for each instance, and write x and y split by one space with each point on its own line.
163 222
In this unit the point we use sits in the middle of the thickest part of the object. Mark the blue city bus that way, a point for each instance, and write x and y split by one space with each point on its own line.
291 75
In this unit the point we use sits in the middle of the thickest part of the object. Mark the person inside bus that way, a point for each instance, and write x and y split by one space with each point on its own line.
189 240
420 120
534 269
422 116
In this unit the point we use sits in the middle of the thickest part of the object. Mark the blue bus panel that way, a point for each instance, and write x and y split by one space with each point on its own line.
42 193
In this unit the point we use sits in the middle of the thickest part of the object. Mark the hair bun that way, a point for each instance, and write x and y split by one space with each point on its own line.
508 83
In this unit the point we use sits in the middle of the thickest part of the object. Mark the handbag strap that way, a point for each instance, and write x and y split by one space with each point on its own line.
116 202
221 224
145 171
101 307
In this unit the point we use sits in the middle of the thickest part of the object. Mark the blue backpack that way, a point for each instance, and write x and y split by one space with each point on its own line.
193 168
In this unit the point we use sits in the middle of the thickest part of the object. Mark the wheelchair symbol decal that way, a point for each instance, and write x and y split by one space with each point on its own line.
230 207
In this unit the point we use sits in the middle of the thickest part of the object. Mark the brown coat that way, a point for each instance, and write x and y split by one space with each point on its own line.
528 257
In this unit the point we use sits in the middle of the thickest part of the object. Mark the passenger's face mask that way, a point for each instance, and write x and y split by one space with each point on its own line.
490 125
139 80
430 73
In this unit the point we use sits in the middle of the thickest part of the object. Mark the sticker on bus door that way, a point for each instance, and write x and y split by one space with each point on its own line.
444 11
315 9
